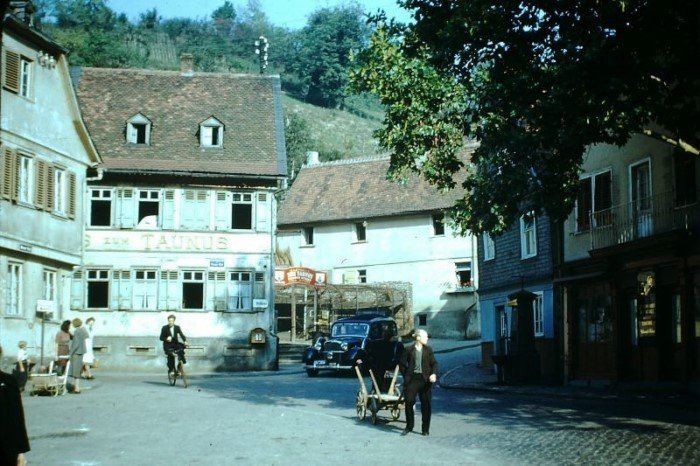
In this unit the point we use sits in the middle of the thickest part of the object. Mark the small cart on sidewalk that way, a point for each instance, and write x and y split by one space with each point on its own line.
375 400
50 383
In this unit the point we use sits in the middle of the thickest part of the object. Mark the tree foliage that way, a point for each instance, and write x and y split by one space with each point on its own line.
535 83
323 52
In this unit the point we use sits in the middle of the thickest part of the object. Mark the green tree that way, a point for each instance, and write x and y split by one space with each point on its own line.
224 17
150 19
297 137
323 52
535 83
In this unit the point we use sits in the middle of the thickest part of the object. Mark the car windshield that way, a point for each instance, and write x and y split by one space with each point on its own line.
349 329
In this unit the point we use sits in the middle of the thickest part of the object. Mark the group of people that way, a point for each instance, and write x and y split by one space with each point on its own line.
76 347
418 367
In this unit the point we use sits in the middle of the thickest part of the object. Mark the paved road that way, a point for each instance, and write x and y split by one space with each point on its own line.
276 418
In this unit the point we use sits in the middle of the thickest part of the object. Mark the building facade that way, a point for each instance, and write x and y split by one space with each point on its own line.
519 259
346 219
181 214
630 276
45 152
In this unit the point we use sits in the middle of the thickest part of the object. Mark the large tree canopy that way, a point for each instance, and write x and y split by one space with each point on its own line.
535 83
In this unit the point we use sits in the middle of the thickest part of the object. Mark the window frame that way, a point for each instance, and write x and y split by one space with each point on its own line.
528 236
13 289
584 221
132 132
461 267
489 247
538 314
26 73
307 234
97 275
103 195
26 178
240 284
360 232
207 131
438 223
60 191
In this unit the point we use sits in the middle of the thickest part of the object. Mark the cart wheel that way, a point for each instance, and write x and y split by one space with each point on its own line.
312 372
395 413
361 405
373 408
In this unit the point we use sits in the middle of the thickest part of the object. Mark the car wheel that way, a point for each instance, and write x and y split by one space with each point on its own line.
361 405
312 372
373 409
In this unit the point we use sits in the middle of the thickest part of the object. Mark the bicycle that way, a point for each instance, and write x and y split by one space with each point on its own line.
179 369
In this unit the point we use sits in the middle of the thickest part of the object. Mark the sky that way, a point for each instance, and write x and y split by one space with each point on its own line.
291 14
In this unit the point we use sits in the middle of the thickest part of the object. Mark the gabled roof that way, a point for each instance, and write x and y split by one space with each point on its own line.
357 189
248 105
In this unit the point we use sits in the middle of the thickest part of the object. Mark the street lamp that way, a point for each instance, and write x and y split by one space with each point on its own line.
261 46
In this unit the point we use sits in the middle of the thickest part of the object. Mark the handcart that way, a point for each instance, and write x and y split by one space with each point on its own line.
375 400
50 383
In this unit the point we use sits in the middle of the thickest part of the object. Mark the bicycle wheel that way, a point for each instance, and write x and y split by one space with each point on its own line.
172 377
181 368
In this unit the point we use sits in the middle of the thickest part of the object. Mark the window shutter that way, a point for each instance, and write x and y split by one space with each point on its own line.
125 291
206 135
222 211
126 211
169 209
10 174
263 212
50 188
76 290
71 195
11 71
40 185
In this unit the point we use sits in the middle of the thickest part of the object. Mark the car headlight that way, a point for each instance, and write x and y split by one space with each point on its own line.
318 345
344 346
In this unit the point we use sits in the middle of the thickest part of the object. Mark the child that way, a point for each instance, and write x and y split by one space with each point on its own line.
22 366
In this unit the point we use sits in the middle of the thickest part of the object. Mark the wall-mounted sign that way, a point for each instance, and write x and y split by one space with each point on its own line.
646 304
25 248
216 263
299 275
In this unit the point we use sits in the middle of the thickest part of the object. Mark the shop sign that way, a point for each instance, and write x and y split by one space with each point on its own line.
299 275
646 304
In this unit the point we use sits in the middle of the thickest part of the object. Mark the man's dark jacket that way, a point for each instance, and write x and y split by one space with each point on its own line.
178 337
13 432
408 363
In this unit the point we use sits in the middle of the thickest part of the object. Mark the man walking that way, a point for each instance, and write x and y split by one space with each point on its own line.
419 369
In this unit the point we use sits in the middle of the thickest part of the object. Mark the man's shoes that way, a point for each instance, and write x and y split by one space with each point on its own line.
425 433
406 432
183 360
171 374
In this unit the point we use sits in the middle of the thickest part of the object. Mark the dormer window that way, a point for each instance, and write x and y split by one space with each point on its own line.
211 133
138 130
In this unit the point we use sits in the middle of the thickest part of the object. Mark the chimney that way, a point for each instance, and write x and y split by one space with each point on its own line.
22 10
187 63
311 158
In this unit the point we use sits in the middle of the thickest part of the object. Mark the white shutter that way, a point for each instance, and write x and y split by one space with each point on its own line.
262 213
222 211
206 135
126 208
188 208
125 291
169 209
163 291
76 290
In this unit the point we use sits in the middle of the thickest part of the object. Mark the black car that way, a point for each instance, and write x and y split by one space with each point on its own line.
349 339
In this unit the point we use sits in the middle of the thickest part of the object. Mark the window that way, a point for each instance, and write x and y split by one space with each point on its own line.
145 289
489 247
538 315
634 324
98 289
149 206
138 130
59 191
528 236
438 224
13 292
240 291
211 133
361 231
242 211
50 286
308 233
26 179
422 320
194 210
192 289
100 207
259 286
595 313
25 79
594 201
685 182
677 323
463 272
362 276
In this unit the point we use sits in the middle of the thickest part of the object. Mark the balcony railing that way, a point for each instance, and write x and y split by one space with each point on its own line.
643 218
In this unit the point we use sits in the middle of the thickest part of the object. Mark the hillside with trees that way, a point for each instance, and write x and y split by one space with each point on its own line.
312 62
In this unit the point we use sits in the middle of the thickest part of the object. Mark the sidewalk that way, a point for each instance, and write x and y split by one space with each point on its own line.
471 376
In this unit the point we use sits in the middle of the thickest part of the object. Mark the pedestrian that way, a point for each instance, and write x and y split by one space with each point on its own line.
89 356
419 369
14 442
62 340
171 335
78 348
22 366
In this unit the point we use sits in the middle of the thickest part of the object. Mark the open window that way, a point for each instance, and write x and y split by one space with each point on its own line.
211 133
138 130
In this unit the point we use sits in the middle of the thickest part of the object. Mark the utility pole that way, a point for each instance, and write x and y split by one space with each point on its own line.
261 46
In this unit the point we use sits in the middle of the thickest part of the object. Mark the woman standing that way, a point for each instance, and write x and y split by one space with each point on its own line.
89 356
76 352
62 340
